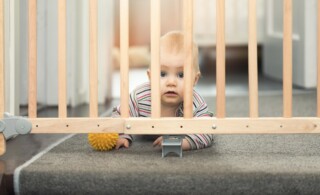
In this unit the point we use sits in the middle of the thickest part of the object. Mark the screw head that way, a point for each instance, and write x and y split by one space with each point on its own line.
214 126
128 126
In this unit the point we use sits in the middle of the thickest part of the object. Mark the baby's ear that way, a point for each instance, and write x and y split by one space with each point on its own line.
196 79
149 74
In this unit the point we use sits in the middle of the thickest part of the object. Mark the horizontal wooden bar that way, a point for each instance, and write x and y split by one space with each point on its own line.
223 126
77 125
206 125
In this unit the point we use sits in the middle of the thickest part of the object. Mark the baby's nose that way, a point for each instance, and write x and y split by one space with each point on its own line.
172 80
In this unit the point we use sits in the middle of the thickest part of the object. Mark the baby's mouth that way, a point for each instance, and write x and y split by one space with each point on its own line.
171 93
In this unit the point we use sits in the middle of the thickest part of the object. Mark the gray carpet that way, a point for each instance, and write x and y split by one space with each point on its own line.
235 164
270 105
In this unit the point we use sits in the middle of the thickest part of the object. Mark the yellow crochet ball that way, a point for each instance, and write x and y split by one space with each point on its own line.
103 141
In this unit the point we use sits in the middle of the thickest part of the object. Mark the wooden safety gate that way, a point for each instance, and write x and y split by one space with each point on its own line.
252 124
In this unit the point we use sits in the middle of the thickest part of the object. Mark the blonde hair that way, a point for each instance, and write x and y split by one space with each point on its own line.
173 42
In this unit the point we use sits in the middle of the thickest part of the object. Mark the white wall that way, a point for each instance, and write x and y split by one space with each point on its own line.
11 60
304 40
77 50
236 17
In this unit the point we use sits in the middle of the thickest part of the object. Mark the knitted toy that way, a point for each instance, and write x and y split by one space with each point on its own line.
103 141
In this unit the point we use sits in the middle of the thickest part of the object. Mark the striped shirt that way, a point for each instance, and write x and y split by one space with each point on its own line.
140 106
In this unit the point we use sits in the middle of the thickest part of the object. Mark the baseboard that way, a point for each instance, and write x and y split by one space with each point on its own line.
236 59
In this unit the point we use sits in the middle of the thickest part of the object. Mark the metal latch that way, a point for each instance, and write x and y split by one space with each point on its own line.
172 144
11 125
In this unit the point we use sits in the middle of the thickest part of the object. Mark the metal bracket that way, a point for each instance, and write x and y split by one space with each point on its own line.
13 125
172 144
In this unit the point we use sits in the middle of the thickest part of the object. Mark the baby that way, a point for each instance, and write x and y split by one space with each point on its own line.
172 58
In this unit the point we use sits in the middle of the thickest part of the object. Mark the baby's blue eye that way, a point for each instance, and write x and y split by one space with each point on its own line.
163 74
180 75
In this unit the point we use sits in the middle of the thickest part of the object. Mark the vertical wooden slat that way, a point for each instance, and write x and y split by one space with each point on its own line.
62 79
2 44
318 58
155 59
32 58
93 25
253 63
2 96
287 58
188 66
221 50
124 58
155 29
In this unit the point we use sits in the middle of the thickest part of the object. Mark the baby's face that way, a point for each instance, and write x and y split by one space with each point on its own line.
171 79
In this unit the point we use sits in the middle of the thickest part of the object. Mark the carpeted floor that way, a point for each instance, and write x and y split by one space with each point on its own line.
235 164
270 105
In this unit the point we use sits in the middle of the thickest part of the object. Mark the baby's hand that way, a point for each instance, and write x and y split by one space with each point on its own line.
158 142
185 145
122 142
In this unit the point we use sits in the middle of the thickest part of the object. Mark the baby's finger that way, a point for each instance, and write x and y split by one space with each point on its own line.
154 144
157 142
126 144
119 144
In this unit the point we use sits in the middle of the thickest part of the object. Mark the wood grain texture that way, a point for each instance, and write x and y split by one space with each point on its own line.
165 125
93 58
2 76
155 59
32 40
287 58
221 53
188 65
208 125
253 60
318 59
124 58
77 125
62 59
2 72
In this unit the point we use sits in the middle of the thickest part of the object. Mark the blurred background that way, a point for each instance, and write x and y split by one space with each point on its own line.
269 31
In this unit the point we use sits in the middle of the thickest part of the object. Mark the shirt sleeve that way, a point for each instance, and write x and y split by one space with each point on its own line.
133 112
199 141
